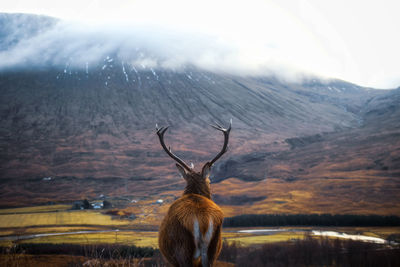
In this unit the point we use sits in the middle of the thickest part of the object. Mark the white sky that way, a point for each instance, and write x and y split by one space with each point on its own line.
354 40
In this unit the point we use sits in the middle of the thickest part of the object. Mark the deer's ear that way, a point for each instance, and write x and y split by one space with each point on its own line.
206 170
181 170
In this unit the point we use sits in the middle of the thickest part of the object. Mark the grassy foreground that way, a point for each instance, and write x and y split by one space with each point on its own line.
305 252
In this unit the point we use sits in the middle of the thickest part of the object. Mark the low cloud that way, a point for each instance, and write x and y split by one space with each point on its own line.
59 43
260 38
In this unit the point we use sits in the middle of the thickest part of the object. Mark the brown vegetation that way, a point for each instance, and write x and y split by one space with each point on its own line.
312 252
307 252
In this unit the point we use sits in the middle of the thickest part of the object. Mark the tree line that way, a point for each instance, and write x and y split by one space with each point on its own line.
254 220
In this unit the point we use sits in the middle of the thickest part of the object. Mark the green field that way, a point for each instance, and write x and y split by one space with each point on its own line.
57 219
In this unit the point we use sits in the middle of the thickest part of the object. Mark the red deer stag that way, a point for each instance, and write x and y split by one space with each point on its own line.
190 234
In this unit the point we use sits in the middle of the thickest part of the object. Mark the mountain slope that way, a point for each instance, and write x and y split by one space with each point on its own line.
95 128
311 146
59 113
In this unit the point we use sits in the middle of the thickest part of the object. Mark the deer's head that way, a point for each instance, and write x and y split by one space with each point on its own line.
196 182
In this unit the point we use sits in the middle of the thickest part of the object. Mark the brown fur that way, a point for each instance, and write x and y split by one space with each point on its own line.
176 236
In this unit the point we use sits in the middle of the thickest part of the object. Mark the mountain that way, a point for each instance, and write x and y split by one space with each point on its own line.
91 128
60 117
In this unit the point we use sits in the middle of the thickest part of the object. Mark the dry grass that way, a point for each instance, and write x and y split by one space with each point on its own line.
81 217
59 229
140 239
37 220
251 239
45 230
149 238
69 260
41 260
358 195
34 209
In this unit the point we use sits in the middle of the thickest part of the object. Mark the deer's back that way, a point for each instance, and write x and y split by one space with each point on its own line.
190 207
191 220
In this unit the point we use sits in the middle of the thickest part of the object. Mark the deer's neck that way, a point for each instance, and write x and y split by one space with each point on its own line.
193 188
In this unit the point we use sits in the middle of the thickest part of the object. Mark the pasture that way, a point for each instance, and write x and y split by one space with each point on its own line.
36 209
79 217
57 224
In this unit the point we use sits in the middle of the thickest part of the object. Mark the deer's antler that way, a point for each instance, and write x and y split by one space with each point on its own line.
226 140
160 133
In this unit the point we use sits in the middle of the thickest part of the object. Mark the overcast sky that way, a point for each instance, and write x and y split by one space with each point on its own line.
354 40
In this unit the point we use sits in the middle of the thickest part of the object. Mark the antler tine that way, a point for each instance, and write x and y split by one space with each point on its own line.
216 127
226 140
216 123
160 132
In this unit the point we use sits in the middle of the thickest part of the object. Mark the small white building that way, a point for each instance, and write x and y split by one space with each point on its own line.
97 205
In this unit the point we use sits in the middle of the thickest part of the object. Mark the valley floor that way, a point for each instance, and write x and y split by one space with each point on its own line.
57 224
28 235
